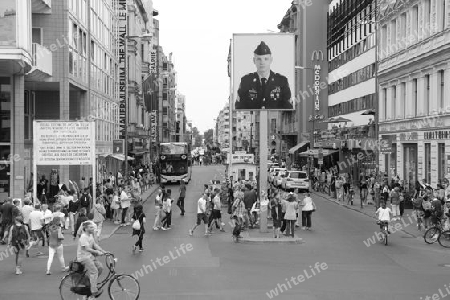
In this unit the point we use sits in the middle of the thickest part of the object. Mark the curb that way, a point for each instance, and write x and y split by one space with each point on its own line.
359 211
118 226
271 241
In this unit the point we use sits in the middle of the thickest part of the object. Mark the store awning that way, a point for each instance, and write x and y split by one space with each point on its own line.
103 155
121 157
315 152
297 147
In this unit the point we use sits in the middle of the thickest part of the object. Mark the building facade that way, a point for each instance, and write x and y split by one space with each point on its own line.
307 19
59 61
414 76
352 97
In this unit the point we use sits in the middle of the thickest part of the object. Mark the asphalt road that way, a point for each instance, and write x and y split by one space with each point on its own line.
214 267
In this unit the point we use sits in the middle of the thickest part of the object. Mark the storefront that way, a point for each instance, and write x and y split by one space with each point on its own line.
418 155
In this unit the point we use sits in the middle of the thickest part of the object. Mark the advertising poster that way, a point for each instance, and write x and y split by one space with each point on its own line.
263 71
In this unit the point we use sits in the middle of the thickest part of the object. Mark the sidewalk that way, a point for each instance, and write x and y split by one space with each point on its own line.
109 228
407 225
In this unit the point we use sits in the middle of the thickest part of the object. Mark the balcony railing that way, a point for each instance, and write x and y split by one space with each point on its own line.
42 63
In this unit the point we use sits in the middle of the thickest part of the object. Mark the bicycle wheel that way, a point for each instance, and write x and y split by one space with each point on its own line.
124 287
385 238
68 284
444 239
431 236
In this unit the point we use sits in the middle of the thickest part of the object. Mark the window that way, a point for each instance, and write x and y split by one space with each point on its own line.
428 162
394 102
415 102
36 35
385 91
403 99
442 90
415 19
402 27
441 160
427 19
427 94
28 115
441 18
394 35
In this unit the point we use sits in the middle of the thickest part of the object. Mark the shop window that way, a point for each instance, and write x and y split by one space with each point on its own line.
428 162
441 161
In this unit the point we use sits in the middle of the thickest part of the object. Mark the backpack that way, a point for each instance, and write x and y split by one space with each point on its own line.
84 200
417 202
19 236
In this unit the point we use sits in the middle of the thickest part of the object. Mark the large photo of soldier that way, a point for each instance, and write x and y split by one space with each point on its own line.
263 71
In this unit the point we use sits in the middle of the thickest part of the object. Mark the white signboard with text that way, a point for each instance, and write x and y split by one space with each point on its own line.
64 143
242 158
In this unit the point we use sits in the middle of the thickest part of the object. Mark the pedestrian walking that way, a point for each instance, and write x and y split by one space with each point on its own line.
167 209
85 200
138 220
340 188
201 216
18 239
47 217
55 245
276 213
216 212
115 207
308 208
283 208
180 202
81 218
363 191
291 214
158 210
377 194
99 216
6 211
395 203
125 203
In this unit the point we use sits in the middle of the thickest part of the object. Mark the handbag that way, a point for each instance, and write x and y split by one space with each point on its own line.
136 224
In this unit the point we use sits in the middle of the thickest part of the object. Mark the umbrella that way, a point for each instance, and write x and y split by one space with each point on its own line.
369 112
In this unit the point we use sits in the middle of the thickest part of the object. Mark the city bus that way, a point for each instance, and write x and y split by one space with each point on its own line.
175 162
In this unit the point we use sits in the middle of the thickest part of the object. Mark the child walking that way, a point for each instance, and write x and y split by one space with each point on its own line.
55 245
138 215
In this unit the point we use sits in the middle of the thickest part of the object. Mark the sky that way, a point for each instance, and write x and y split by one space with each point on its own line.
198 33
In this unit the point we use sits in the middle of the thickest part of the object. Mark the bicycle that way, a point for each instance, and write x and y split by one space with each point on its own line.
433 234
76 283
384 230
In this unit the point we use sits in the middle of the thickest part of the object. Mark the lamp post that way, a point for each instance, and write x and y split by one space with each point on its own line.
145 37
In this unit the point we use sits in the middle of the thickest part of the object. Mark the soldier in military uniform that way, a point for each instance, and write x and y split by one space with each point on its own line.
263 89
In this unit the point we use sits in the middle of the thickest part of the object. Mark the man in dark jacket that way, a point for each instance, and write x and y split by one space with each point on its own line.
249 198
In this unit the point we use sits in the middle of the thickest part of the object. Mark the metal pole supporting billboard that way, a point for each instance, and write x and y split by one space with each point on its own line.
263 153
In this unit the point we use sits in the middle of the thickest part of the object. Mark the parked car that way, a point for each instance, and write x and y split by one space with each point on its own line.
295 180
278 177
271 165
272 174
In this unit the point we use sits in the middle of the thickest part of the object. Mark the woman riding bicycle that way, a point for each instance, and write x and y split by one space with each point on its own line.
87 252
383 215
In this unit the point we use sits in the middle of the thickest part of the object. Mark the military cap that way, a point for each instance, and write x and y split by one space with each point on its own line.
262 49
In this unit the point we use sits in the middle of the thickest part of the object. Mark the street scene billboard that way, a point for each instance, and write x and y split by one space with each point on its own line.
64 143
263 71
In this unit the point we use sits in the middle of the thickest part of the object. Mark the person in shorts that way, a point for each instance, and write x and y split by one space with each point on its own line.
216 212
201 214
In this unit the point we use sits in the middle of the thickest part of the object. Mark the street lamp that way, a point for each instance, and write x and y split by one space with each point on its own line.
144 37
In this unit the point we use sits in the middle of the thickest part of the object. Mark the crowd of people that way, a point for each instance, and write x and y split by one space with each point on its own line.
28 227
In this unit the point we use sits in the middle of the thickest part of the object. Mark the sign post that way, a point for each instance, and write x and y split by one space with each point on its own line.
63 143
263 152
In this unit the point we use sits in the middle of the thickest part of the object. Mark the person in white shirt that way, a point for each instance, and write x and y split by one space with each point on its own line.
87 252
167 209
383 214
125 203
26 211
59 214
35 223
201 216
158 210
47 218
